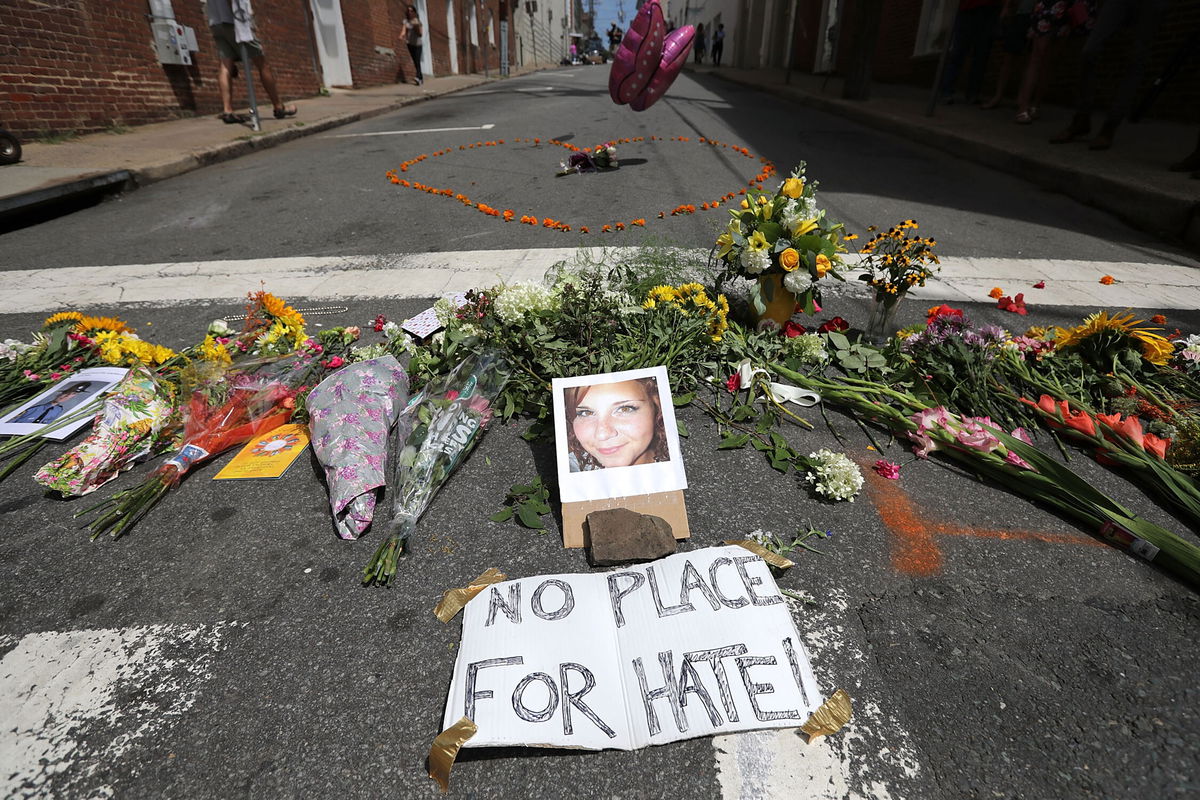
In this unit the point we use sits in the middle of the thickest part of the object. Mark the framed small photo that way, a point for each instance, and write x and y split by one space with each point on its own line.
61 400
616 436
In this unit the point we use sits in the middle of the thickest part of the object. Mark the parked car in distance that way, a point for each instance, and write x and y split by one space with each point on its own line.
594 52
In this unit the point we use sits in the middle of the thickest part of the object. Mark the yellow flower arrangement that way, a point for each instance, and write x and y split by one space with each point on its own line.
689 298
895 262
118 349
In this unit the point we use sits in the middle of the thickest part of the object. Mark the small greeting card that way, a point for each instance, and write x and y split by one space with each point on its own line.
426 323
268 456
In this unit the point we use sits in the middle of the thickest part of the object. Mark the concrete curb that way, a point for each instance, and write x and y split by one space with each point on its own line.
134 177
1164 214
143 176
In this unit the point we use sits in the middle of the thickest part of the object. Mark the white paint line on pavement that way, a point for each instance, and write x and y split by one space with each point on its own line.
73 702
401 275
486 127
775 764
497 91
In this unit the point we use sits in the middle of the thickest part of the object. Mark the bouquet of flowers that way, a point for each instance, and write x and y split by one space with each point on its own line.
437 430
602 156
67 342
225 407
350 414
137 420
783 235
894 262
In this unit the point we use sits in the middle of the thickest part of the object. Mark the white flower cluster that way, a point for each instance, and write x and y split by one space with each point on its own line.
809 348
798 210
762 538
797 281
515 301
444 309
219 327
834 475
11 349
755 261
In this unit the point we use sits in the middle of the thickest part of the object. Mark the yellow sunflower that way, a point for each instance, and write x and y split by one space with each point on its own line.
1103 330
62 316
93 324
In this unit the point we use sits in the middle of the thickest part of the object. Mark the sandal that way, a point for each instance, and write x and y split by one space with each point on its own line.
1024 118
232 119
284 113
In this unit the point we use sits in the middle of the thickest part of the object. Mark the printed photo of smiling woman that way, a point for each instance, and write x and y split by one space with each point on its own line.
615 425
616 435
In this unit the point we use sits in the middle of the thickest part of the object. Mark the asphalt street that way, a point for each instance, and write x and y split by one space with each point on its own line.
224 648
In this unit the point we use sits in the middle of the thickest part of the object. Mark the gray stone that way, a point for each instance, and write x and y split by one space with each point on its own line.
621 536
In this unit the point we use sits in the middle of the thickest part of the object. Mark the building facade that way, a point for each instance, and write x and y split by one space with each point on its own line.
90 65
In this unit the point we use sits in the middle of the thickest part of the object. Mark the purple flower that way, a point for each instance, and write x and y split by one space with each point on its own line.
348 473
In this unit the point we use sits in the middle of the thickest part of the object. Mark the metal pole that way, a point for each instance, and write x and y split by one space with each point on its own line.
487 41
254 123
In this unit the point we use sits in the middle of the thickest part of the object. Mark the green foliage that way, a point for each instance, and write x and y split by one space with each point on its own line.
856 357
527 504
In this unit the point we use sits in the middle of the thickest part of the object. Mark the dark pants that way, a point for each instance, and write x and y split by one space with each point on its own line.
1142 17
718 48
414 50
974 34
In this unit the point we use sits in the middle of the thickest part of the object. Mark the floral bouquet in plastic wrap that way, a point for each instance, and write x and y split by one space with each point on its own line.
136 421
435 433
350 414
223 407
600 157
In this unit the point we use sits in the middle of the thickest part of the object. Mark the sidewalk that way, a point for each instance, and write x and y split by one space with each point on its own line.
101 162
1131 180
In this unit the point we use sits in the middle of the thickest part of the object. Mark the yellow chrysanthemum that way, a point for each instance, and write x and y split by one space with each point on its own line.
62 316
1155 348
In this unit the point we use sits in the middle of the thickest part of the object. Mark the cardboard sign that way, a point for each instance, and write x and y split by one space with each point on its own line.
267 457
692 645
615 435
61 401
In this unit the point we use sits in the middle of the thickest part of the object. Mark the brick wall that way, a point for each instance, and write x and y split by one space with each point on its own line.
1180 99
86 65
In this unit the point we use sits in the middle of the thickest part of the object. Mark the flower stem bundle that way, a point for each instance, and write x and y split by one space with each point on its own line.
225 408
437 430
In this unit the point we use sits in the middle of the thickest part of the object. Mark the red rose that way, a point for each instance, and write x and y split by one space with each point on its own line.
791 330
734 383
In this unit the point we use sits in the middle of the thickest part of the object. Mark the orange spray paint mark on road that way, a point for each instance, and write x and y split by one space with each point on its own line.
915 550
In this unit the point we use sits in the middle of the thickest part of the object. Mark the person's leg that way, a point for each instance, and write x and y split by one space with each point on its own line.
1145 25
268 82
225 84
982 42
415 52
1030 81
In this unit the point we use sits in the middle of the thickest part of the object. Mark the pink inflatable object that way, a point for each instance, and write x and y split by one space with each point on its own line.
637 58
674 54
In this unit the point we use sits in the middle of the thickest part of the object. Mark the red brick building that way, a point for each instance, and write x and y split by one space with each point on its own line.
87 65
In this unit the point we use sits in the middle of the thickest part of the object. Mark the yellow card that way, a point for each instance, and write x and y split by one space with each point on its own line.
268 456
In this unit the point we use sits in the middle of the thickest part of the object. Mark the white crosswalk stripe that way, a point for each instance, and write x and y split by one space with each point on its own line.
309 278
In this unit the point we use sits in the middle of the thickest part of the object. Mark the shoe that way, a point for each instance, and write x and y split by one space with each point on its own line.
1023 118
232 119
285 112
1080 125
